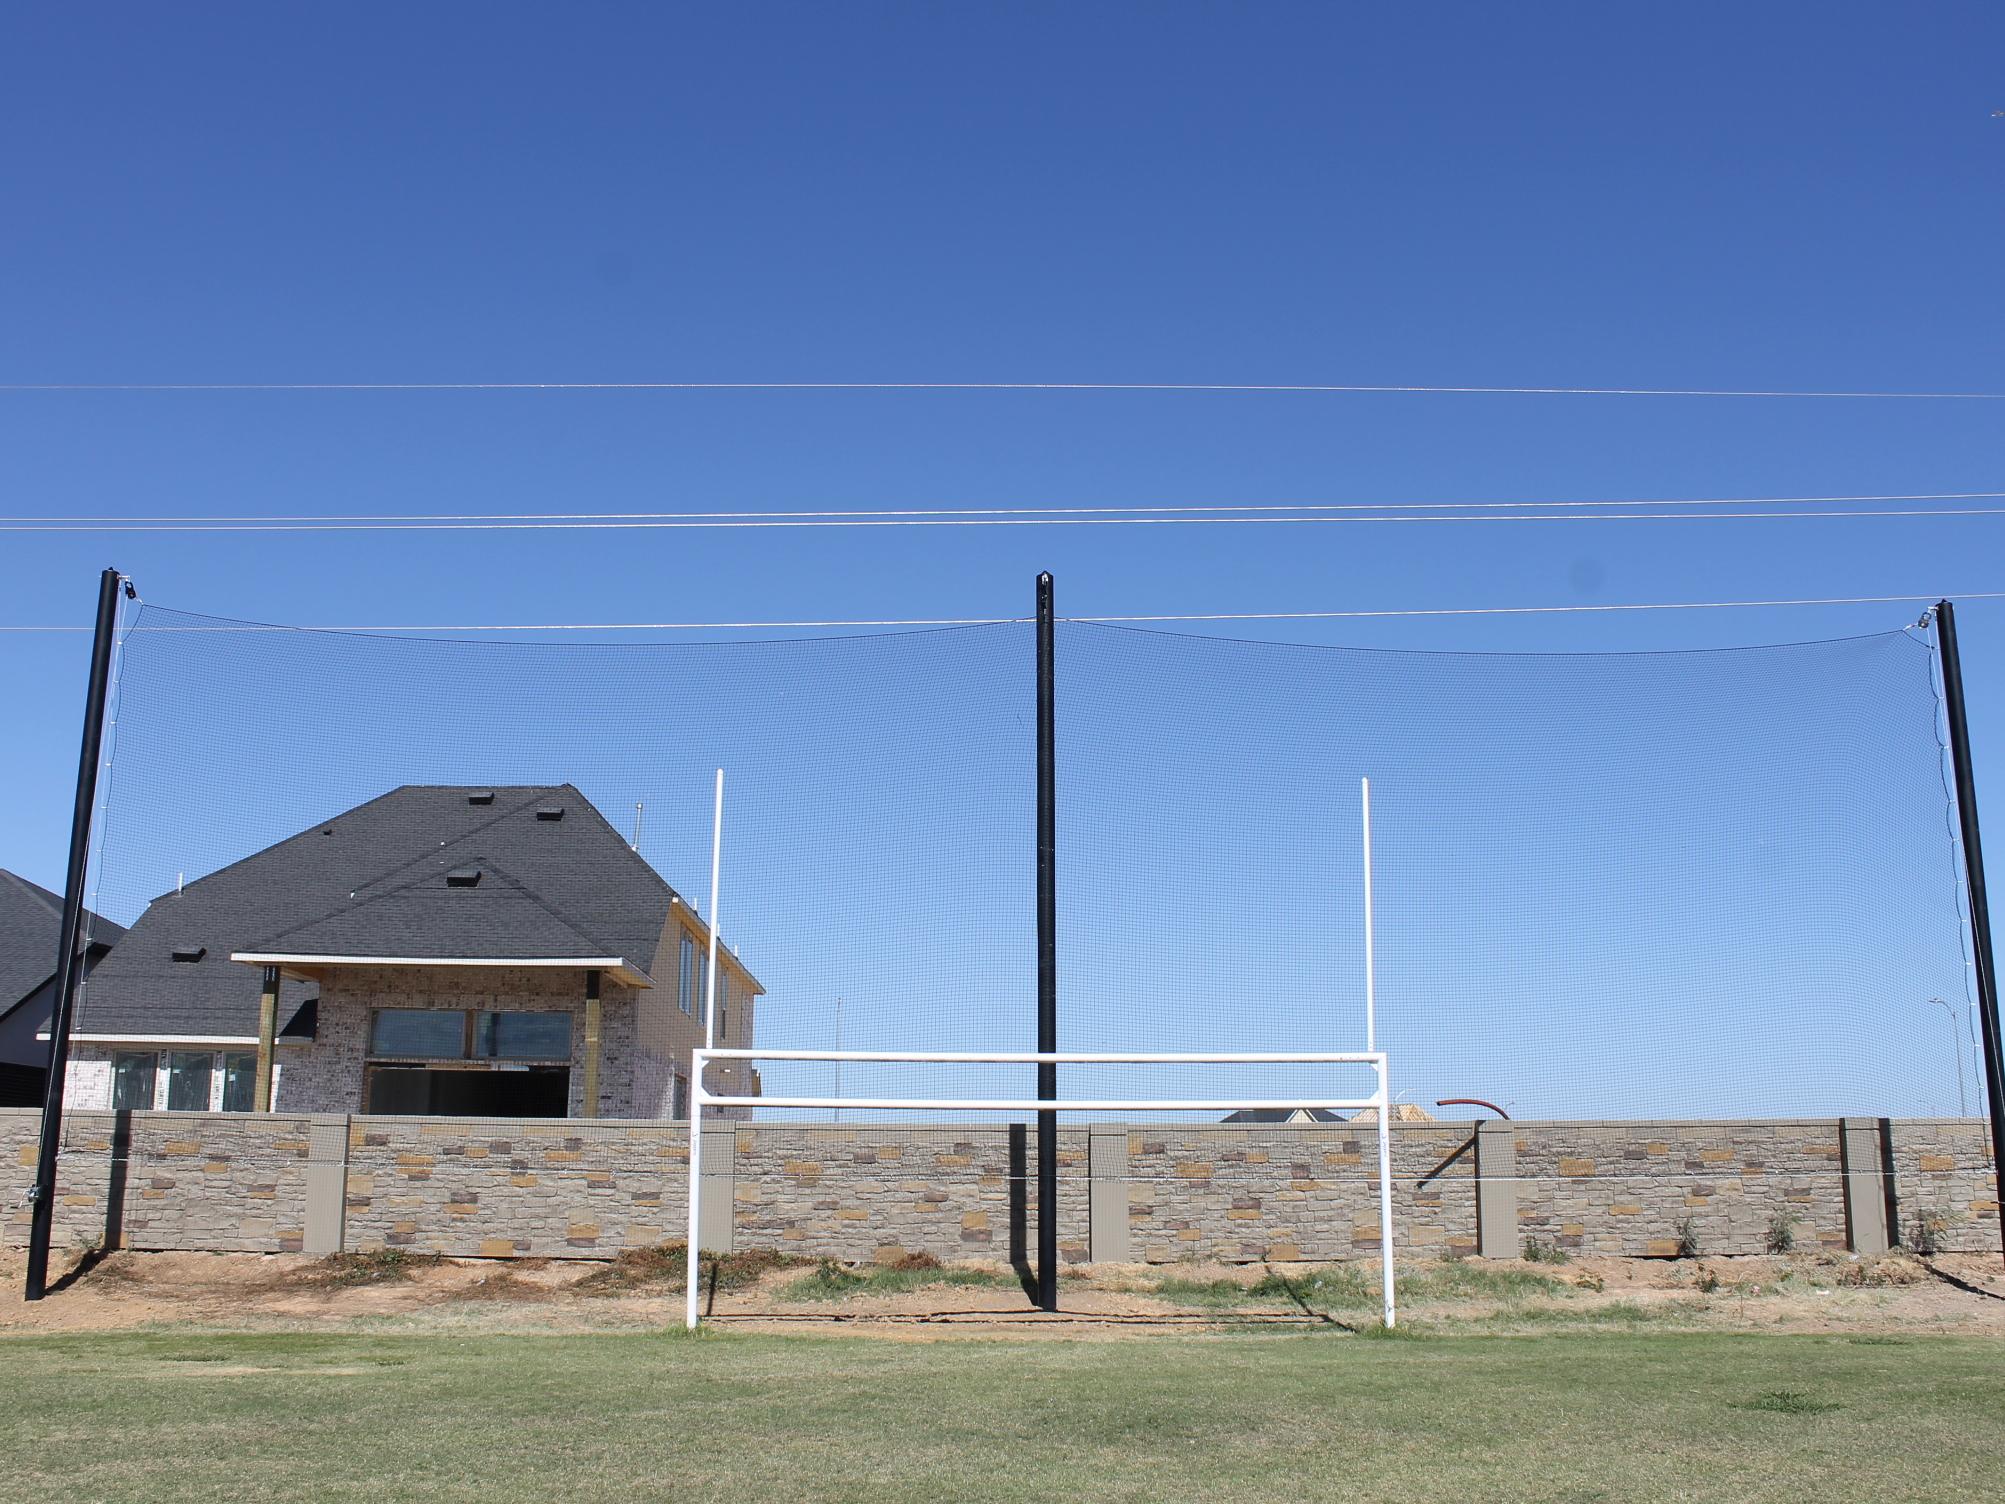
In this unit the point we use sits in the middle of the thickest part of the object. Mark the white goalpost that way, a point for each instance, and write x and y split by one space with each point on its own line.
1378 1101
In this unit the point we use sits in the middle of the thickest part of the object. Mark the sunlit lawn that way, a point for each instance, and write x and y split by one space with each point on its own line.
387 1416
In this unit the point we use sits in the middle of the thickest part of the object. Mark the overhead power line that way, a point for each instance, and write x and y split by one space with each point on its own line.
1251 387
1225 514
1159 617
1164 509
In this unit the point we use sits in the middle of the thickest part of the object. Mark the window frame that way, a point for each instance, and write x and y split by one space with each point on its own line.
119 1057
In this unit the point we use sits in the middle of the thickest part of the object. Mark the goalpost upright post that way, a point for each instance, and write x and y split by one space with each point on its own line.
694 1251
1371 1044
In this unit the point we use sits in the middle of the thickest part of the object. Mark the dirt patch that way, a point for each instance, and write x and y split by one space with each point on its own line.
1874 1299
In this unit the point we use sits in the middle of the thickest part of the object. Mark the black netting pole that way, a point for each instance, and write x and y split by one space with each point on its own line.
1047 955
1973 873
42 1213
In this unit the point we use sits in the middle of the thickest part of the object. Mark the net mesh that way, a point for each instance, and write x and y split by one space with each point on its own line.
1715 883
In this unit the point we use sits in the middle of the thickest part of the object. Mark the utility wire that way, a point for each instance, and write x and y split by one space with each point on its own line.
975 386
791 520
984 621
1166 509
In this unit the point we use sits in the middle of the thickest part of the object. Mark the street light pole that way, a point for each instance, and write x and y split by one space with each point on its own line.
1956 1054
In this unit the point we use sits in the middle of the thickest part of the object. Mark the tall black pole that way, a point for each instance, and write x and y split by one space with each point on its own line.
1973 876
69 958
1047 956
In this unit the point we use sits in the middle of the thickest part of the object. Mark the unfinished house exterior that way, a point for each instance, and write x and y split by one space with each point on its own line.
445 950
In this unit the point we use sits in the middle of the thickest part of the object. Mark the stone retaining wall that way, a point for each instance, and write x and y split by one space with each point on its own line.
572 1188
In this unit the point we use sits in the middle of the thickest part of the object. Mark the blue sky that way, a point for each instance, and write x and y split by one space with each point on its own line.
1786 197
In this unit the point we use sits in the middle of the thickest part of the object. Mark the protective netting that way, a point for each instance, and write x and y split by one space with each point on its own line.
1701 884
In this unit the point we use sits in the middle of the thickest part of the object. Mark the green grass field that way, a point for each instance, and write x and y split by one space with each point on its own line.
382 1417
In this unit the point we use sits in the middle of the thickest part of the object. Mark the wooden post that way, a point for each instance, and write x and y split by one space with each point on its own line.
592 1030
267 1039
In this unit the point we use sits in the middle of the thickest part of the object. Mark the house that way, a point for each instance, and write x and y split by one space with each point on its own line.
440 949
1283 1115
31 923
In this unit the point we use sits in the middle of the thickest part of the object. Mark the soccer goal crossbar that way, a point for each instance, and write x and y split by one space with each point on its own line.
1377 1101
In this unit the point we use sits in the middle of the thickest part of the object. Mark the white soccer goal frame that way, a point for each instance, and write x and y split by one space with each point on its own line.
700 1097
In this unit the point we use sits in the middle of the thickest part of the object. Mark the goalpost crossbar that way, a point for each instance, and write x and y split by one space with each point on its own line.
1378 1101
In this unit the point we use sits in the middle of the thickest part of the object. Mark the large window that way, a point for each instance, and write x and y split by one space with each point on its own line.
189 1073
723 1002
132 1076
686 986
464 1034
240 1082
678 1098
523 1036
418 1033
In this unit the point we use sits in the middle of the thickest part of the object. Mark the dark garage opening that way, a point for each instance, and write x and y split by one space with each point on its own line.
537 1091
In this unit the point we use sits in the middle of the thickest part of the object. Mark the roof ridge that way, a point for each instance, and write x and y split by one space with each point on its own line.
273 942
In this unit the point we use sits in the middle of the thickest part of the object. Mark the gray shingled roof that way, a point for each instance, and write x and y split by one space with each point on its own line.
31 921
374 882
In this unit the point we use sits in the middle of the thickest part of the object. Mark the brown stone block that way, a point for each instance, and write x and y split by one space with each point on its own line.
1716 1156
79 1201
804 1167
406 1228
853 1214
1661 1248
497 1248
181 1146
953 1159
1625 1209
1194 1169
1187 1235
1936 1164
1244 1214
415 1161
1286 1253
1575 1169
522 1180
587 1231
1334 1160
974 1220
214 1167
561 1156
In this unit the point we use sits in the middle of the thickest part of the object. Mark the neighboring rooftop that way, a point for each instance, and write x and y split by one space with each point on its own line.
1283 1115
31 922
426 871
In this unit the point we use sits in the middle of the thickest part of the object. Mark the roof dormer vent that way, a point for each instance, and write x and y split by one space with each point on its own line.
463 877
481 796
549 811
190 952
